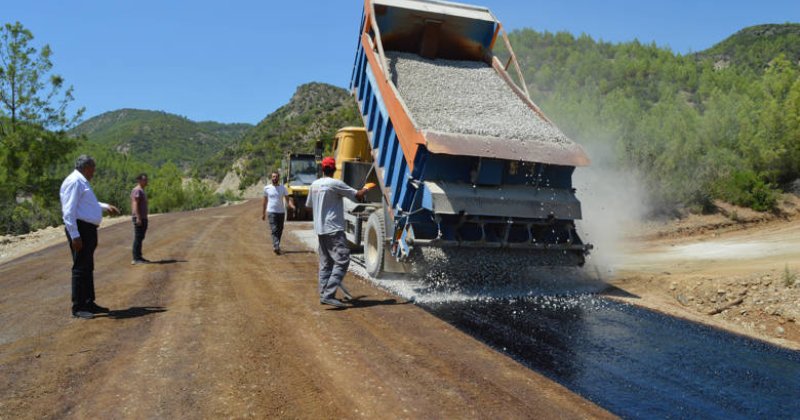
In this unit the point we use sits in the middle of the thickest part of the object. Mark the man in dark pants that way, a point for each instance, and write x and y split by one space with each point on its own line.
325 199
273 205
139 214
82 214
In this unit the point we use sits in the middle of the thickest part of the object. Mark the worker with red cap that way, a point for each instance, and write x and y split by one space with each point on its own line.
325 199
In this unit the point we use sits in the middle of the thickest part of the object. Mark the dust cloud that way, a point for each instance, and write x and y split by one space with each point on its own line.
613 202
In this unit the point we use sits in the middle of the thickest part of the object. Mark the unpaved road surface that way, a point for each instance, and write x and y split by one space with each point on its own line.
224 328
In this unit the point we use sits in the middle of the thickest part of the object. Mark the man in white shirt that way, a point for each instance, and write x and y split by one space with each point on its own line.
325 199
273 205
82 214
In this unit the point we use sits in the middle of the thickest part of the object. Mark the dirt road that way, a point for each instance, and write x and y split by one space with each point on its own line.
224 328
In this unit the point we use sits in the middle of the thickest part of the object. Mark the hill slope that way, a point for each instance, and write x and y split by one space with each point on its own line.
157 137
692 128
756 46
315 112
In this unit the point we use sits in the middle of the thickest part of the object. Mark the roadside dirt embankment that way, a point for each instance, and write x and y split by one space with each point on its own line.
738 270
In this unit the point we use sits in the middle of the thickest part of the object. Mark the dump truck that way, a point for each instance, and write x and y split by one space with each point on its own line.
465 161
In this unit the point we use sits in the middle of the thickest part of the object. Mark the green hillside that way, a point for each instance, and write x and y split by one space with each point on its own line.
315 112
756 46
695 131
157 137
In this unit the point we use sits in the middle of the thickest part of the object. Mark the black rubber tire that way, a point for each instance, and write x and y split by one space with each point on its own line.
374 244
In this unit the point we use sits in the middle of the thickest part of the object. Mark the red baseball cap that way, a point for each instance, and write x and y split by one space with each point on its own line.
328 162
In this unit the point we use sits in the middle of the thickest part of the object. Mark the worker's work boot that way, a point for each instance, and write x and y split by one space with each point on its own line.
97 309
82 314
333 302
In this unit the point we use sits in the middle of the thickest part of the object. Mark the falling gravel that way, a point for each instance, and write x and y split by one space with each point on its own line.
466 97
455 268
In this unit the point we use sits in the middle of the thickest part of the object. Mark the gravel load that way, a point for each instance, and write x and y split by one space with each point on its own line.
466 97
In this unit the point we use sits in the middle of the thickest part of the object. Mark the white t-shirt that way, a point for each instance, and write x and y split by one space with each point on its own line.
325 198
275 198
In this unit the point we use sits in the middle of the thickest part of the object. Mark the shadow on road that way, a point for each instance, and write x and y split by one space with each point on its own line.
297 252
360 302
135 312
170 261
617 292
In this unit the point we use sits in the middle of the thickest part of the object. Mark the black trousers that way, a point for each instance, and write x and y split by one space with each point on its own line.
138 237
83 266
276 226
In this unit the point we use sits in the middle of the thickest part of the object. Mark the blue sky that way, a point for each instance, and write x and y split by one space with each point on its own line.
237 60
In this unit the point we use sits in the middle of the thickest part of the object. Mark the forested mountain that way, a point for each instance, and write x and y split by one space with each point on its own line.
157 137
315 112
695 130
38 144
756 46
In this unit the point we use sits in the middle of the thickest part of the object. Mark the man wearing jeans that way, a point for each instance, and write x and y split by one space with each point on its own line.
273 206
82 214
139 212
325 199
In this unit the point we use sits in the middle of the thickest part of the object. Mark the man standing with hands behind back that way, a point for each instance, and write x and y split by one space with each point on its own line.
139 213
82 215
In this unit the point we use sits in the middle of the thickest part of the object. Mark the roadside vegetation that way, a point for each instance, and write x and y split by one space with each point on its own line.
37 150
789 276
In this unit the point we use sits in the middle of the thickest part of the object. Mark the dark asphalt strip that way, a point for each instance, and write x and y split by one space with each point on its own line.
634 362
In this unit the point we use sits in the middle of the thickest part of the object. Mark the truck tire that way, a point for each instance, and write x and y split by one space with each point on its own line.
375 244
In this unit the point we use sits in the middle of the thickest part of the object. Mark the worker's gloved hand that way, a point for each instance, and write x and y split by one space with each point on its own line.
362 192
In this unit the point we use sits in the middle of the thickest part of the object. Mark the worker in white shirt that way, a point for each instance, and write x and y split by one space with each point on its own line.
82 215
274 209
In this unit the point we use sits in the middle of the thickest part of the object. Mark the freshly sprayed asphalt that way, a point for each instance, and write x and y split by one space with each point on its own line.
634 362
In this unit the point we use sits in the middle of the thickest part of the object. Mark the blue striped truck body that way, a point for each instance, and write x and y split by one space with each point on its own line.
452 190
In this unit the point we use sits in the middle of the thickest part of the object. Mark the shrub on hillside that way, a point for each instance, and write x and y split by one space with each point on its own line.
747 189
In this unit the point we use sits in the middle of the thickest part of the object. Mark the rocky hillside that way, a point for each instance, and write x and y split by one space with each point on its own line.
756 46
156 137
315 112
